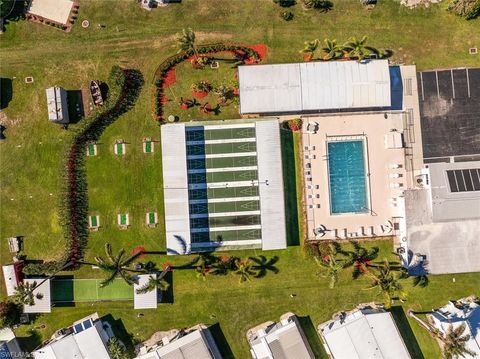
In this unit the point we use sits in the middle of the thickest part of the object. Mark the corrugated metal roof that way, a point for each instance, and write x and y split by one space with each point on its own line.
55 10
270 177
57 104
10 279
43 305
146 300
314 86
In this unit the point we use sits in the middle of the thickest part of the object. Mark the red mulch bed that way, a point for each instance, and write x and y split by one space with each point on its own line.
170 78
262 50
139 249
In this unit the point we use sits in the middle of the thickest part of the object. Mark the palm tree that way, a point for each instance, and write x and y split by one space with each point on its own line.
244 269
116 266
356 49
262 265
454 342
360 257
323 5
310 48
24 293
154 283
387 281
332 50
186 41
223 92
331 265
222 266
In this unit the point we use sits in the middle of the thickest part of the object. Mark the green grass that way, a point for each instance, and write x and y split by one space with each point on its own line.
31 156
89 290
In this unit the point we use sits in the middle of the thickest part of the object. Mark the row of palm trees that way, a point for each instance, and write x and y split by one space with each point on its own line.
384 276
354 48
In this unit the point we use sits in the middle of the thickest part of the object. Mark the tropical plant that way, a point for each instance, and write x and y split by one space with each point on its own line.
322 5
330 265
285 3
360 258
24 293
332 50
222 266
223 92
469 9
116 266
152 284
387 281
310 48
421 281
9 313
454 342
204 60
261 265
186 41
117 349
244 269
202 86
357 49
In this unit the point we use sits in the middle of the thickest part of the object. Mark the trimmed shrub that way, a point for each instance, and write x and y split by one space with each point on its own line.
286 15
9 313
294 124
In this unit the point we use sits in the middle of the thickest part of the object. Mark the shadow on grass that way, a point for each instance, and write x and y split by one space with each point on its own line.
120 332
30 343
6 92
312 337
290 187
62 291
167 296
406 332
75 105
221 341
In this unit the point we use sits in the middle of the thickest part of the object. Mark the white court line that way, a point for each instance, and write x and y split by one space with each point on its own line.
221 127
226 243
421 82
225 214
453 86
227 140
222 155
468 84
224 169
438 89
223 200
223 184
225 229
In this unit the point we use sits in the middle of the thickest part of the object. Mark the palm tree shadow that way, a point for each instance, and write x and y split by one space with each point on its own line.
263 265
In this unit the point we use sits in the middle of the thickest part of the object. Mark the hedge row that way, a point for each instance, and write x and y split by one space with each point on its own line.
173 61
124 86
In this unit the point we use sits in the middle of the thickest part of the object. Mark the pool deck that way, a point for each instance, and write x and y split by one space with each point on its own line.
385 183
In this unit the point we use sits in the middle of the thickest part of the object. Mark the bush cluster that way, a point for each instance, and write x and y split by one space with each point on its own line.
469 9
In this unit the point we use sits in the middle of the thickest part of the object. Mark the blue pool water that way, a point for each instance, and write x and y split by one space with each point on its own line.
346 167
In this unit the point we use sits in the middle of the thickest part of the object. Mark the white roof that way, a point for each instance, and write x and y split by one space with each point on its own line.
10 278
57 104
55 10
272 205
44 304
364 335
198 344
146 300
283 340
175 189
451 315
314 86
87 344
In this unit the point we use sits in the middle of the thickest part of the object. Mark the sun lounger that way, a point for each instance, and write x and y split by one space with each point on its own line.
148 145
151 219
119 147
91 149
94 223
123 220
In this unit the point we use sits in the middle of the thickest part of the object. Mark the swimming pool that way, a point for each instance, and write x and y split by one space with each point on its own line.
347 177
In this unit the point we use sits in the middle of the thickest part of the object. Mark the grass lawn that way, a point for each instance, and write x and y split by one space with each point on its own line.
31 156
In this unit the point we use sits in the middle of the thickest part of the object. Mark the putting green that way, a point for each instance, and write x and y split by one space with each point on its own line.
87 290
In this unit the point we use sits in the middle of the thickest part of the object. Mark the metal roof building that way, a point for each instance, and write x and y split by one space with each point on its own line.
10 277
86 339
43 304
9 347
55 10
363 333
223 186
57 105
145 300
198 344
280 341
314 86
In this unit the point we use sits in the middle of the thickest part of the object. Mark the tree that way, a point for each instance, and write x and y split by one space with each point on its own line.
386 281
332 50
357 49
24 293
262 265
322 5
186 41
243 268
360 257
116 266
222 266
285 3
454 342
9 313
152 284
6 7
224 93
469 9
310 48
117 349
330 265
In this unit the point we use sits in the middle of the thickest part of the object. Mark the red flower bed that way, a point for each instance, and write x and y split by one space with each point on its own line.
141 250
170 78
199 94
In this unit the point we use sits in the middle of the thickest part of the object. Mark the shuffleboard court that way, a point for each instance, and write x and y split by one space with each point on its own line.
88 290
219 193
222 162
220 148
222 207
212 222
199 134
225 236
212 177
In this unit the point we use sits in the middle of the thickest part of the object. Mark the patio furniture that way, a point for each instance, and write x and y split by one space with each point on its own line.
394 175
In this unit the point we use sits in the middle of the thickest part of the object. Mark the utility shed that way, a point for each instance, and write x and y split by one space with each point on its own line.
145 300
11 277
54 10
42 304
57 105
314 87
